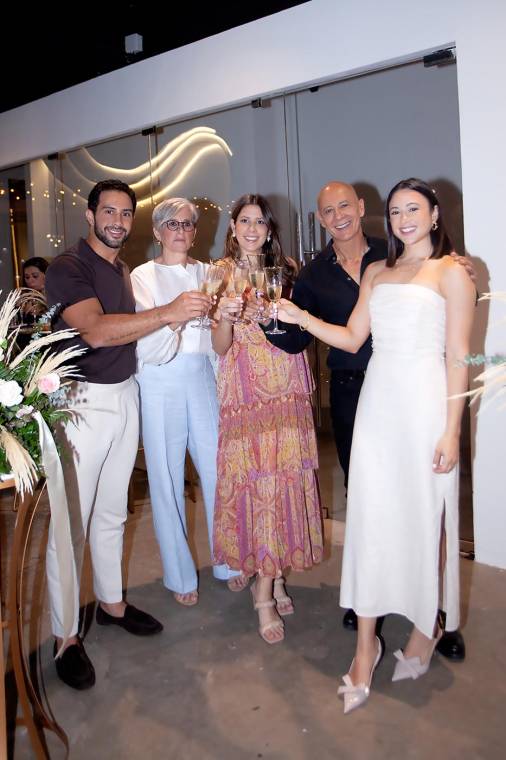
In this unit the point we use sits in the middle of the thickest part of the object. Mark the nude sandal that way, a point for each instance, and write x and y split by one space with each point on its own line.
262 630
192 598
283 598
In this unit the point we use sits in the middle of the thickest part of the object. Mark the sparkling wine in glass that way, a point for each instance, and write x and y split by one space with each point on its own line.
239 282
274 288
256 263
210 285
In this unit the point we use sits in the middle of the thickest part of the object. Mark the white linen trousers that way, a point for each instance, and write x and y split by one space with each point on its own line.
99 450
179 410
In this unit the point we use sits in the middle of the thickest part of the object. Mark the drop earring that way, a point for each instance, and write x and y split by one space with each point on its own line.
434 226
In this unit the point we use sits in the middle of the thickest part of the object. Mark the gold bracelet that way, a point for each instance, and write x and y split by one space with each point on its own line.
303 328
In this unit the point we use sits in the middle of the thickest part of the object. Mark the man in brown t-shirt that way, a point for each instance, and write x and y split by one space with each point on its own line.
91 286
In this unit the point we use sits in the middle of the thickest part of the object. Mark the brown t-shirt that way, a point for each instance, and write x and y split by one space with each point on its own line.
79 274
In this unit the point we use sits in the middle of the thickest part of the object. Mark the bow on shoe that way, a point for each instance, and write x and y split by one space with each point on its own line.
406 667
354 696
351 689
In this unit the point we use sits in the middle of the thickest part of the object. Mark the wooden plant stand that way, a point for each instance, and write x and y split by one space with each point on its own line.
34 714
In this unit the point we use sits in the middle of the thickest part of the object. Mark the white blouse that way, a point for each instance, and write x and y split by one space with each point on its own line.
159 284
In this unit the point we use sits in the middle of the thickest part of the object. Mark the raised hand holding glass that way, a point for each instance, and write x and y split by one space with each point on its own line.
256 263
239 282
210 285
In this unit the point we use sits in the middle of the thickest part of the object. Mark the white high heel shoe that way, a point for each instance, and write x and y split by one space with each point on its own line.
354 696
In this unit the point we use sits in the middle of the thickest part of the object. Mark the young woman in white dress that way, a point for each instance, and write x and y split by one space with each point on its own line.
403 486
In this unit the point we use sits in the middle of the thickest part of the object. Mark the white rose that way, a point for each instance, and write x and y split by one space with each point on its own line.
10 393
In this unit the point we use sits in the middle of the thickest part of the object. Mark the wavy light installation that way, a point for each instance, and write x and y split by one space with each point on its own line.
183 173
169 154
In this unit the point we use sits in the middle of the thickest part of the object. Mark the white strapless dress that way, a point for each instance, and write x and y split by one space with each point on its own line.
396 504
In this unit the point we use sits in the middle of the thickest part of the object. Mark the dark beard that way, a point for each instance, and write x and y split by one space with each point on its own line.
110 243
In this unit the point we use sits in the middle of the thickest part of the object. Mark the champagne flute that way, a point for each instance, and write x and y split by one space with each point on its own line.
274 283
210 285
256 263
239 282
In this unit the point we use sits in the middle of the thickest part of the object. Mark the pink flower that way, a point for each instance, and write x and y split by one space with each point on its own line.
24 411
48 383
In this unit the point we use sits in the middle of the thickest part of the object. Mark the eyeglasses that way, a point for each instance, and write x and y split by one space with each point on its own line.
185 225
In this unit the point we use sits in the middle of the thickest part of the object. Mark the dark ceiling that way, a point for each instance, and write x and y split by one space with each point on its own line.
68 44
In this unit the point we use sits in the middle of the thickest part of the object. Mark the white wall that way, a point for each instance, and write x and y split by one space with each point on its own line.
482 105
317 42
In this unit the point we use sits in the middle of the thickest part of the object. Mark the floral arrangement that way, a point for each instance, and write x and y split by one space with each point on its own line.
32 393
493 378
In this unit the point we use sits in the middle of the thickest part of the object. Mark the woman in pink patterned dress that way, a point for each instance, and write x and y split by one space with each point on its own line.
267 511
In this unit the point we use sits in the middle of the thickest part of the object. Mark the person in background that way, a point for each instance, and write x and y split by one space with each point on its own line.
34 278
34 273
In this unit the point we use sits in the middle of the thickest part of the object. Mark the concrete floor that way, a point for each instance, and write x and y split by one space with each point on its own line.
209 688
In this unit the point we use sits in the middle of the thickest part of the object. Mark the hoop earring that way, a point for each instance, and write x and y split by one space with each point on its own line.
434 226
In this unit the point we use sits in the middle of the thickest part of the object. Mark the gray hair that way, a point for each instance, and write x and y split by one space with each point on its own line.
169 208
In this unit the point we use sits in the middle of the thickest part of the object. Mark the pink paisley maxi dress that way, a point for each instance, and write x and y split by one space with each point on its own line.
267 512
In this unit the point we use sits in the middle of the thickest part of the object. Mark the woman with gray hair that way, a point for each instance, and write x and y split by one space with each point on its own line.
178 396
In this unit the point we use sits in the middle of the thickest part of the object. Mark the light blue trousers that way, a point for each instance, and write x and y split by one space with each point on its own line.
179 410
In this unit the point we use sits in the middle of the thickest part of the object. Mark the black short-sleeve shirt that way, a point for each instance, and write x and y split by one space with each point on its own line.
328 292
79 274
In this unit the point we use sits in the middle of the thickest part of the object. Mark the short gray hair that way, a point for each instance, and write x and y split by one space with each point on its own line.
169 208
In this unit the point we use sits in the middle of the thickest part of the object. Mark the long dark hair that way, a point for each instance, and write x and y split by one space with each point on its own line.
274 256
441 243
